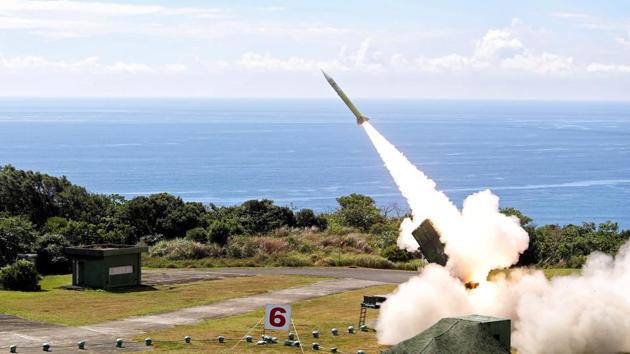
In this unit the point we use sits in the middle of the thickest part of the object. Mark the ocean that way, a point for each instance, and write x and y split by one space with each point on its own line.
557 162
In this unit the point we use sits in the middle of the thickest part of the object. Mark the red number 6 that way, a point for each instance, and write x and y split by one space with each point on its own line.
276 317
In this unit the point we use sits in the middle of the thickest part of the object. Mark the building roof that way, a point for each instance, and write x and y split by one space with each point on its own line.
455 335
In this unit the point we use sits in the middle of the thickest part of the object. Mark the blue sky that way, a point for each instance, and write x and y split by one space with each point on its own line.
566 50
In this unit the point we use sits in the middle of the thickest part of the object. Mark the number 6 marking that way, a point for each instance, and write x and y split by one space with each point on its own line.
276 317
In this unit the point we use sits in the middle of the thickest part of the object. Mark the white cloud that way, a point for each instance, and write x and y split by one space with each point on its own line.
90 65
608 68
500 49
624 40
98 8
545 63
496 42
266 62
452 62
571 15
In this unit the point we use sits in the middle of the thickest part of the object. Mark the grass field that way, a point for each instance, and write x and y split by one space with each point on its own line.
322 314
549 272
71 307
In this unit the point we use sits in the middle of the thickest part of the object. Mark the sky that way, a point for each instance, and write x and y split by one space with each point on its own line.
521 50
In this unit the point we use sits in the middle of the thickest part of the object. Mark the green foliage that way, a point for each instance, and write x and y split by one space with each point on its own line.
359 211
17 235
50 254
262 216
307 218
259 231
20 275
524 220
151 240
241 247
198 234
570 245
372 261
54 225
180 248
38 197
395 254
360 260
220 231
161 214
80 233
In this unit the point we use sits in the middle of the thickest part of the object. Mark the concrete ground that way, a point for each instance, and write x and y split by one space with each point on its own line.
29 335
161 276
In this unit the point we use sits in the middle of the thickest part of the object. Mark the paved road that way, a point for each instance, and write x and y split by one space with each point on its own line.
176 275
29 335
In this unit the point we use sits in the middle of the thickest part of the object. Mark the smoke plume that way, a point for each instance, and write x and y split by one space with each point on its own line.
477 239
574 314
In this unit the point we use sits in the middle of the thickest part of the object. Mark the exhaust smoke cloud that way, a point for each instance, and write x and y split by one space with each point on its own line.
573 314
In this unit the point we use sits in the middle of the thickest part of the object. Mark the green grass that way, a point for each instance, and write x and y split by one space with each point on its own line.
549 272
72 307
333 311
559 272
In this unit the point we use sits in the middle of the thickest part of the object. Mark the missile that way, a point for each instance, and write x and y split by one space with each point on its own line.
360 117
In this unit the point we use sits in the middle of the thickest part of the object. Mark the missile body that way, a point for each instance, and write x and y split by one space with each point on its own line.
360 117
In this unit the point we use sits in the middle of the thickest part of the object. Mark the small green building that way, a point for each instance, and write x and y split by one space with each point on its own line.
106 266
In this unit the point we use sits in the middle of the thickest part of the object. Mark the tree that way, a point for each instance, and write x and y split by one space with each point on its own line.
219 232
359 211
262 216
161 213
39 196
531 255
51 258
17 235
524 220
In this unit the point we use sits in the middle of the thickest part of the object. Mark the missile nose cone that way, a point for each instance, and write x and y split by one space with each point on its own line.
325 75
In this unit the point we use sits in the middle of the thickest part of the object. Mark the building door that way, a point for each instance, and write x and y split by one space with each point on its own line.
81 273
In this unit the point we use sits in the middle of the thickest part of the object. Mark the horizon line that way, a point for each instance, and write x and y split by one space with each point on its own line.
569 100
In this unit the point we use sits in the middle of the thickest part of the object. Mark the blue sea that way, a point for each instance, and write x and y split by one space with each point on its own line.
558 162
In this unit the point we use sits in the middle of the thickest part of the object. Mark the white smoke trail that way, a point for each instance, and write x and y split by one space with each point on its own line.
476 240
576 314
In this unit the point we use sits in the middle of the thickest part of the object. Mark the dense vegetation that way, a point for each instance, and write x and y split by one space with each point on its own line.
44 214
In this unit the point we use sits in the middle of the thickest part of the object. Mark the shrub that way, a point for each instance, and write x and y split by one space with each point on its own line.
152 239
17 235
269 245
51 258
414 264
179 249
20 275
198 234
339 260
385 228
395 254
359 211
241 247
372 261
306 218
353 242
219 232
262 216
358 260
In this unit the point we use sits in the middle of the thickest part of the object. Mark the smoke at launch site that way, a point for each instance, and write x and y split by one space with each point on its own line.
573 314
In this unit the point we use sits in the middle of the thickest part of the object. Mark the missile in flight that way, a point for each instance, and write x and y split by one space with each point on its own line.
360 117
